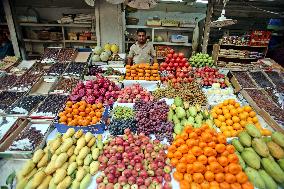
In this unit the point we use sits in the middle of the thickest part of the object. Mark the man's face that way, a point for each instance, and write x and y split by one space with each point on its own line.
141 37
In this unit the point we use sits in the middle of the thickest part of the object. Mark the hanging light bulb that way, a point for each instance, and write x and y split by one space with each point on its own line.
222 20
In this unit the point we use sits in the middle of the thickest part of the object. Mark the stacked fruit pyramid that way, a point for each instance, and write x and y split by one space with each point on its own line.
203 160
231 118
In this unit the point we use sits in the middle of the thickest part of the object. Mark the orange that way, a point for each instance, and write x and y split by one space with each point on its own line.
98 114
247 108
227 133
217 122
227 116
87 110
221 118
236 119
229 122
234 168
224 185
243 123
69 103
230 178
225 111
75 112
82 108
211 159
223 161
218 111
220 148
240 110
209 176
233 112
237 126
255 119
198 178
237 105
246 114
83 114
94 106
223 128
61 114
230 128
236 186
75 106
99 105
230 107
242 116
232 101
68 110
69 115
241 177
233 158
214 115
220 177
226 102
252 114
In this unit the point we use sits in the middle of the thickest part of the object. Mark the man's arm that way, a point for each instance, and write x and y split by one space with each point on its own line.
129 60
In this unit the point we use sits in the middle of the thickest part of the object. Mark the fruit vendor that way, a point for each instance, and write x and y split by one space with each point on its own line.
6 47
142 51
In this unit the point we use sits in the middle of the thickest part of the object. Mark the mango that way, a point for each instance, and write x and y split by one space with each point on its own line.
236 143
278 138
268 180
245 139
251 159
273 169
275 150
253 131
260 147
255 178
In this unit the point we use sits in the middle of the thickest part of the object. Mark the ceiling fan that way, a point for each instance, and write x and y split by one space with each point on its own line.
222 20
137 4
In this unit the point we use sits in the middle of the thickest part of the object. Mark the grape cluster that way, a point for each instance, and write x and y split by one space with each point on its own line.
122 112
117 126
151 118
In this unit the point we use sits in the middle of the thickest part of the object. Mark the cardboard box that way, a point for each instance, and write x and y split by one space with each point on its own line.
179 39
4 152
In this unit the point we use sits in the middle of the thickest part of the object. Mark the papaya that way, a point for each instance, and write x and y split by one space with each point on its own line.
255 178
268 180
241 161
236 143
278 138
260 147
281 163
253 131
245 139
251 159
275 150
273 169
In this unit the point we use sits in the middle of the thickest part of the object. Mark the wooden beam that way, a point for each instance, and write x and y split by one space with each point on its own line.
11 26
209 13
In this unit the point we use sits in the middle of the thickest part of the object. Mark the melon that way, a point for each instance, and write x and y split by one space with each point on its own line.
108 52
98 50
107 47
104 56
96 58
114 48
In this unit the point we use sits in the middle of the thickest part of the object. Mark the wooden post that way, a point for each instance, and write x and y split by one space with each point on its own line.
206 32
12 28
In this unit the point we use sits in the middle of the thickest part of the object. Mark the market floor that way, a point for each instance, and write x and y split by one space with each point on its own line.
7 166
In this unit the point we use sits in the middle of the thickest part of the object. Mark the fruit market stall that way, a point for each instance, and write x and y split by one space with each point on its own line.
66 123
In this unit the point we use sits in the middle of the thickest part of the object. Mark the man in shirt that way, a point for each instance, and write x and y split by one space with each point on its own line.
6 47
142 51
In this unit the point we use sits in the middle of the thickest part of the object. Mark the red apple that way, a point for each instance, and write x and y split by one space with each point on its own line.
181 55
176 64
170 56
175 55
172 51
178 60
